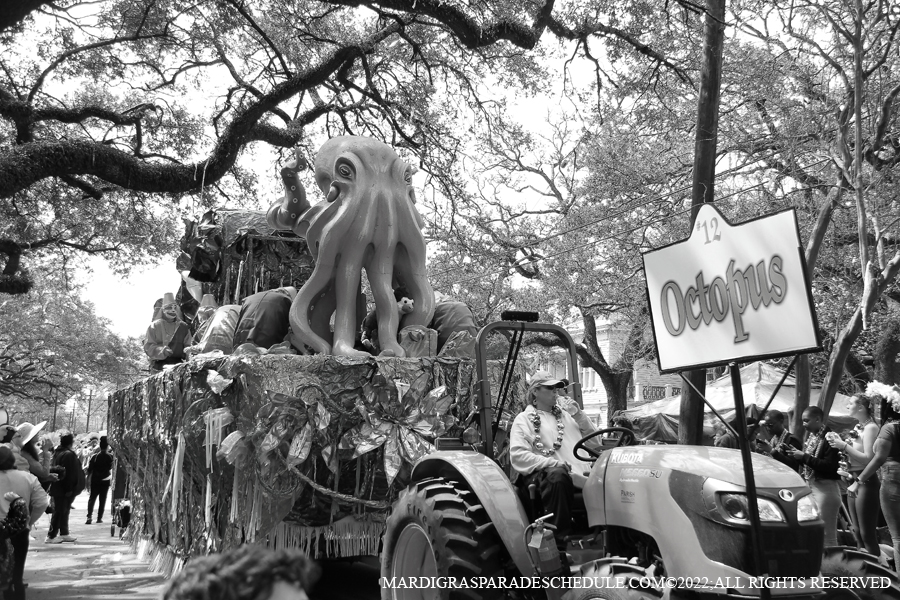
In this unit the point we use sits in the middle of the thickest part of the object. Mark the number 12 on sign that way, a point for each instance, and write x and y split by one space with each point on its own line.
713 226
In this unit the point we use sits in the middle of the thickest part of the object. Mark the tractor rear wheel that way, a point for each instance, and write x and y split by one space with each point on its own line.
850 562
439 529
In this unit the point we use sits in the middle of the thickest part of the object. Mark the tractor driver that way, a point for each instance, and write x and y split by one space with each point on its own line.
541 442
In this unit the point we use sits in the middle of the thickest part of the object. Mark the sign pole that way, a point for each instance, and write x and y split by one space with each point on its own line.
690 426
750 480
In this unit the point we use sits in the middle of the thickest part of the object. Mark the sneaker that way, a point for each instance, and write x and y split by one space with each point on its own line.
55 540
68 538
99 521
88 522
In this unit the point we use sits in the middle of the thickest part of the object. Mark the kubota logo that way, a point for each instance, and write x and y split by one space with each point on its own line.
754 286
627 458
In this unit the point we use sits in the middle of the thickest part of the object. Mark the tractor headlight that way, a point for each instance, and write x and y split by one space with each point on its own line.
737 506
807 509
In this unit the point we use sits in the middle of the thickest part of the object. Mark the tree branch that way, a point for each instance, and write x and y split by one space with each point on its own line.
23 165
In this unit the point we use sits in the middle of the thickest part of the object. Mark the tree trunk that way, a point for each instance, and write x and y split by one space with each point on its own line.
803 374
803 377
851 331
615 381
690 430
616 386
887 369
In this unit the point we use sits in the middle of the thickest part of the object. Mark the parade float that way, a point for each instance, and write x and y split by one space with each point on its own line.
283 450
273 447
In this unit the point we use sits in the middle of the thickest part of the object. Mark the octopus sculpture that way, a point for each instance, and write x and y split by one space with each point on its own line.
369 221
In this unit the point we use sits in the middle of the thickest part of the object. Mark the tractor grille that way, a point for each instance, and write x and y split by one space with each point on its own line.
790 550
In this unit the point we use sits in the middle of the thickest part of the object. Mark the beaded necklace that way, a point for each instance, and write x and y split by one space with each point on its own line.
812 447
782 438
560 428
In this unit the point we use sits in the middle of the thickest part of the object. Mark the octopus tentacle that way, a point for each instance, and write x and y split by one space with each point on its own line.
320 311
346 289
386 308
319 282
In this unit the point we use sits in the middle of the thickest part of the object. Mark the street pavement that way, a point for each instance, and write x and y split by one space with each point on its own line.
99 566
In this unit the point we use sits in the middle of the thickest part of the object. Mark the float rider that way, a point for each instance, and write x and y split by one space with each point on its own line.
542 439
167 337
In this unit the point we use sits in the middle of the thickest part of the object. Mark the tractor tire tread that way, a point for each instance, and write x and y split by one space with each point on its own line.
465 543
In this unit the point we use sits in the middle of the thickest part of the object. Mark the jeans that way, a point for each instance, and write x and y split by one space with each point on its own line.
863 508
890 504
20 543
827 494
98 489
557 492
59 522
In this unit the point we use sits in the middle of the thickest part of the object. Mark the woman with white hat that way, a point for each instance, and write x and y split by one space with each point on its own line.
25 448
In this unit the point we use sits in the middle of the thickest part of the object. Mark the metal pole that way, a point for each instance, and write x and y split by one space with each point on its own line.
690 423
750 480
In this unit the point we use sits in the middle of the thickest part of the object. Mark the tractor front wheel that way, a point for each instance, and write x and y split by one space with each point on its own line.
614 570
437 529
850 562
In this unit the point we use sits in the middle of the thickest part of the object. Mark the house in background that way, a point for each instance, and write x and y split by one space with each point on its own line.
647 385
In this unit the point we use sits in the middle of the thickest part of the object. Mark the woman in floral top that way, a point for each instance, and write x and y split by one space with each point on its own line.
863 503
887 458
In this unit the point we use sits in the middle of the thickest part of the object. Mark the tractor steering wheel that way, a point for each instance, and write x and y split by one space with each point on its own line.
626 434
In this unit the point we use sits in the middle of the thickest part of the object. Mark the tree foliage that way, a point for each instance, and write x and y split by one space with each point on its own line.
52 345
107 103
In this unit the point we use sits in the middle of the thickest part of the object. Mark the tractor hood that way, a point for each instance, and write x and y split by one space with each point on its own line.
673 494
717 463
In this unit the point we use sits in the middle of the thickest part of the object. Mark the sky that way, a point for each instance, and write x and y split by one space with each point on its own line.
128 303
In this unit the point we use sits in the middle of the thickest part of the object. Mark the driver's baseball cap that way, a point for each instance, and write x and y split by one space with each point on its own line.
545 378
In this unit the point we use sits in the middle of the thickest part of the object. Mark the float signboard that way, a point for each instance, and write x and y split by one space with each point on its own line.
731 293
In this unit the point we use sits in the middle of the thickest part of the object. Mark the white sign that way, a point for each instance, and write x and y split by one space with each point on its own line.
731 293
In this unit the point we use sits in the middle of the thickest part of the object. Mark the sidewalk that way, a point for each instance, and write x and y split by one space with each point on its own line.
97 566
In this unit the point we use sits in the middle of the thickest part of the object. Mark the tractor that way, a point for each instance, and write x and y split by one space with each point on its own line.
652 521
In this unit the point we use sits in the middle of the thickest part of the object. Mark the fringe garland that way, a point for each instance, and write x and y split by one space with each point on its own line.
208 508
235 515
347 537
216 420
255 516
161 557
177 475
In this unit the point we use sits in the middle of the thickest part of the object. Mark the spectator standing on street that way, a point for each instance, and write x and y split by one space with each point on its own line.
886 456
63 491
24 441
723 437
782 443
245 573
819 467
863 501
28 488
99 474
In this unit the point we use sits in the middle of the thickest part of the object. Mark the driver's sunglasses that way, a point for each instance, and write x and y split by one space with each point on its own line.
549 387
